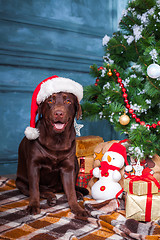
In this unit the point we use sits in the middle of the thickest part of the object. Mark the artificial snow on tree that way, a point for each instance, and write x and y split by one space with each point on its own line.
127 87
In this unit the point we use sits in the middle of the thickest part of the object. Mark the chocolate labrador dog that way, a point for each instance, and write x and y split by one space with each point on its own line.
48 165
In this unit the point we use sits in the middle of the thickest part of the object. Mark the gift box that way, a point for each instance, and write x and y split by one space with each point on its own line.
139 187
86 163
83 179
143 208
85 145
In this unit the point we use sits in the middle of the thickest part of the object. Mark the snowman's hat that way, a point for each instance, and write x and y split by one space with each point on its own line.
117 147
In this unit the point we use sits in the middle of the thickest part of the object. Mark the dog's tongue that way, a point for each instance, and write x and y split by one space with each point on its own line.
59 126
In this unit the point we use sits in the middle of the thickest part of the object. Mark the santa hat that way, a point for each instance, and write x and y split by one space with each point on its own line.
45 89
117 147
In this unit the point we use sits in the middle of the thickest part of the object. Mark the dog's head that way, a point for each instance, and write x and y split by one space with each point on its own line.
59 110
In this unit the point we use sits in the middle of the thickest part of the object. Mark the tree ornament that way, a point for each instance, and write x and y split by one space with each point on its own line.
100 68
124 119
153 70
138 168
117 74
78 128
109 73
130 111
154 125
97 80
119 80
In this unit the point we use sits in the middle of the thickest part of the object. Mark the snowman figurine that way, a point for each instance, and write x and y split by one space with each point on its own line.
107 187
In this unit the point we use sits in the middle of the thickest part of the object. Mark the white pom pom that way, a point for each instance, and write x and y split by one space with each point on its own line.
96 172
128 168
31 133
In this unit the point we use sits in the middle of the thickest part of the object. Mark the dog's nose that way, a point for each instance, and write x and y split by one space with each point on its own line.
59 114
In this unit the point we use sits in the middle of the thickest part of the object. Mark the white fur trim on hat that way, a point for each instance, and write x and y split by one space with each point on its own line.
31 133
59 84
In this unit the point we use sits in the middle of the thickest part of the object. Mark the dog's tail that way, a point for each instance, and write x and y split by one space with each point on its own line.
82 190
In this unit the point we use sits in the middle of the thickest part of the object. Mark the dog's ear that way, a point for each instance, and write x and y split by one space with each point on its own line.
79 110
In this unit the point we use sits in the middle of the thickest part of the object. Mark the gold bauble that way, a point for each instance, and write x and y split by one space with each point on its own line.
124 119
109 73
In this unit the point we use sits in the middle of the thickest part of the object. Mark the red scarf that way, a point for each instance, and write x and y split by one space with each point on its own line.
105 166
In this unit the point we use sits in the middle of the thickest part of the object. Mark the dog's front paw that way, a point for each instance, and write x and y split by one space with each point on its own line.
33 209
80 212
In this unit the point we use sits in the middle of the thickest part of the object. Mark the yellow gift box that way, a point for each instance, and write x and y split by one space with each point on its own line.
85 145
143 208
139 187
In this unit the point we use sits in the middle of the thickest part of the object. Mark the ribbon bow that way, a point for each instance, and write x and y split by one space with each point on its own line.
146 176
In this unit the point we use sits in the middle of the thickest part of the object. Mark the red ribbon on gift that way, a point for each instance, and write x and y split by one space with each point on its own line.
147 177
148 208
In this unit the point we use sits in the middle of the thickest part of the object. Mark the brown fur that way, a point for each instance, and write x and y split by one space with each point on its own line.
48 164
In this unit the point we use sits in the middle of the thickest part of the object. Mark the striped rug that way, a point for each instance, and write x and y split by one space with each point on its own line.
107 220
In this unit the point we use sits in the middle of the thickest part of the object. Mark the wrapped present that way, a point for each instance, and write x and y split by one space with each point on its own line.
85 145
143 208
83 179
86 163
139 187
146 183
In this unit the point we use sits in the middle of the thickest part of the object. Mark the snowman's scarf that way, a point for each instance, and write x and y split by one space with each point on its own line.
105 166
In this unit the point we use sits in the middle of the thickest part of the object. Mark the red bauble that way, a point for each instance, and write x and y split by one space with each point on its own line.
122 85
115 70
131 111
127 106
96 84
119 80
158 123
100 68
154 125
133 115
117 74
137 120
97 80
126 101
148 125
125 95
123 90
142 123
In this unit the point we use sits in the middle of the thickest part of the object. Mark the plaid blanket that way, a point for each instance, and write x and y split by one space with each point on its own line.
107 220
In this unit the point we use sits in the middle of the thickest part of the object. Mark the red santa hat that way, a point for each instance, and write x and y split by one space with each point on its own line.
117 147
45 89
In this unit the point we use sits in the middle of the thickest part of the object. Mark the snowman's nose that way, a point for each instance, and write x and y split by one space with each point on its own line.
109 158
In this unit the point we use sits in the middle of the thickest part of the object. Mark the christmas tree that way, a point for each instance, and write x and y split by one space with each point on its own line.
127 87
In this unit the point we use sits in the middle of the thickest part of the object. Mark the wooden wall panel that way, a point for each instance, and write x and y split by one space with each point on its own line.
41 38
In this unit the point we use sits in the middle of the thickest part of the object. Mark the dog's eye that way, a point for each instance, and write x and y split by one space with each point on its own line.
51 101
67 101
